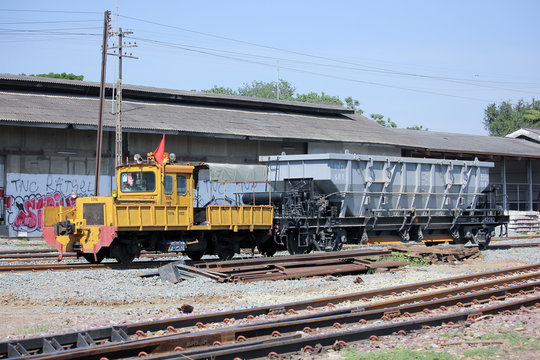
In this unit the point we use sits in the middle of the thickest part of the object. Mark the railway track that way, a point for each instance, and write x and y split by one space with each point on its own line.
48 255
256 332
35 255
207 264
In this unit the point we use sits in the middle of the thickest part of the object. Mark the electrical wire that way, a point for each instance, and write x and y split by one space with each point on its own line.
213 52
53 11
373 68
311 72
49 22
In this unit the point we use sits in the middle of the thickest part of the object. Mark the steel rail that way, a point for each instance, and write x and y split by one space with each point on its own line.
248 350
511 246
122 333
517 237
290 258
80 266
168 343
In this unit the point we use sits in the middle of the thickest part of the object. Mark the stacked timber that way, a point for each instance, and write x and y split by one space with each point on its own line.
447 253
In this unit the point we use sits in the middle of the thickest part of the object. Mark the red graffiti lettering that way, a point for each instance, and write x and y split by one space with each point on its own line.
26 213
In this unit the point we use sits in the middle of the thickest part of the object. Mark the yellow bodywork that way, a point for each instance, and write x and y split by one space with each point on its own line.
98 218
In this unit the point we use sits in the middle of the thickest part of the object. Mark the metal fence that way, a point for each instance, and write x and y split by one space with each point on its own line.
520 197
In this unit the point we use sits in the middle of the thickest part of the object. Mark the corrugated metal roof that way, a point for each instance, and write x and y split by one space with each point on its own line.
194 119
463 143
225 116
20 82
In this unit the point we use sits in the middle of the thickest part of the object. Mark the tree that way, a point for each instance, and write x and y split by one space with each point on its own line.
287 91
379 119
268 90
417 127
323 98
502 119
221 90
353 105
63 75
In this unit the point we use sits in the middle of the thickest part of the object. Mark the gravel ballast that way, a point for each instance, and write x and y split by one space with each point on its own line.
51 302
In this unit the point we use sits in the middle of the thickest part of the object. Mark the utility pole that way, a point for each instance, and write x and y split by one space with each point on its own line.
107 19
120 54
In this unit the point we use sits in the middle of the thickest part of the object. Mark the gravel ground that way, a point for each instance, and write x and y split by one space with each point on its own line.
53 302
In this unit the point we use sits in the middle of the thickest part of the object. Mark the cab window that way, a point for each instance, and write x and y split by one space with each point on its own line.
181 185
168 184
137 181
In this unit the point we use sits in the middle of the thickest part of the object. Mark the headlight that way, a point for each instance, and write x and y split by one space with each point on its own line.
138 158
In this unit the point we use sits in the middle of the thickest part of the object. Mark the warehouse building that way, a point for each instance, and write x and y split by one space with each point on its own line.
49 127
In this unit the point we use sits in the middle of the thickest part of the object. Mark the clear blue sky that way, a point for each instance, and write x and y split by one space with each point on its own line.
431 63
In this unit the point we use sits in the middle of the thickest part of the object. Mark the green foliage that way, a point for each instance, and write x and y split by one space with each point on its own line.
398 353
486 352
63 75
287 91
417 127
502 119
413 261
268 90
354 105
379 119
221 90
323 98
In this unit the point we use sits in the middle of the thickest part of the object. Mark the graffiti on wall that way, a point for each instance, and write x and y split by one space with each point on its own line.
219 193
27 194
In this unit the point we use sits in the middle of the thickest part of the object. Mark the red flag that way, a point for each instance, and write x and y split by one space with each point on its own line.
160 150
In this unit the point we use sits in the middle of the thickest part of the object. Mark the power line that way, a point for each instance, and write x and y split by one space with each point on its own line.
45 30
52 11
210 51
47 22
309 72
373 68
41 32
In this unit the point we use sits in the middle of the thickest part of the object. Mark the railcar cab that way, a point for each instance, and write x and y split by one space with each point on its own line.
161 184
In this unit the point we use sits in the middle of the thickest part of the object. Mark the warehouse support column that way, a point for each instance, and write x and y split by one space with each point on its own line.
530 183
503 180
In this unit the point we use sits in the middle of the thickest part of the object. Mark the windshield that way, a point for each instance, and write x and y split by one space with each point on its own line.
138 181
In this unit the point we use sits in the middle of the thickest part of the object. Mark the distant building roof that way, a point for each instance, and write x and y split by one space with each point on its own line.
37 101
530 134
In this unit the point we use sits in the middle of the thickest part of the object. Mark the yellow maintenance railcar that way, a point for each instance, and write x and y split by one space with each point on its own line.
154 209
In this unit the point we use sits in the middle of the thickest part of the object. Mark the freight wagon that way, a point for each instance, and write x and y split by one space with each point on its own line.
325 200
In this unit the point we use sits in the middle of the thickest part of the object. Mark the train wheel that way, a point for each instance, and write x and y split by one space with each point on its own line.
124 253
481 238
267 248
195 255
340 238
293 245
125 258
223 247
94 260
196 251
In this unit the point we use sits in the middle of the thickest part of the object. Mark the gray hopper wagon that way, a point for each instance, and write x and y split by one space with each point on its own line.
324 200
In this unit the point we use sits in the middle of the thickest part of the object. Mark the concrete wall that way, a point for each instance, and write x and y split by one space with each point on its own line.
364 149
70 154
42 166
